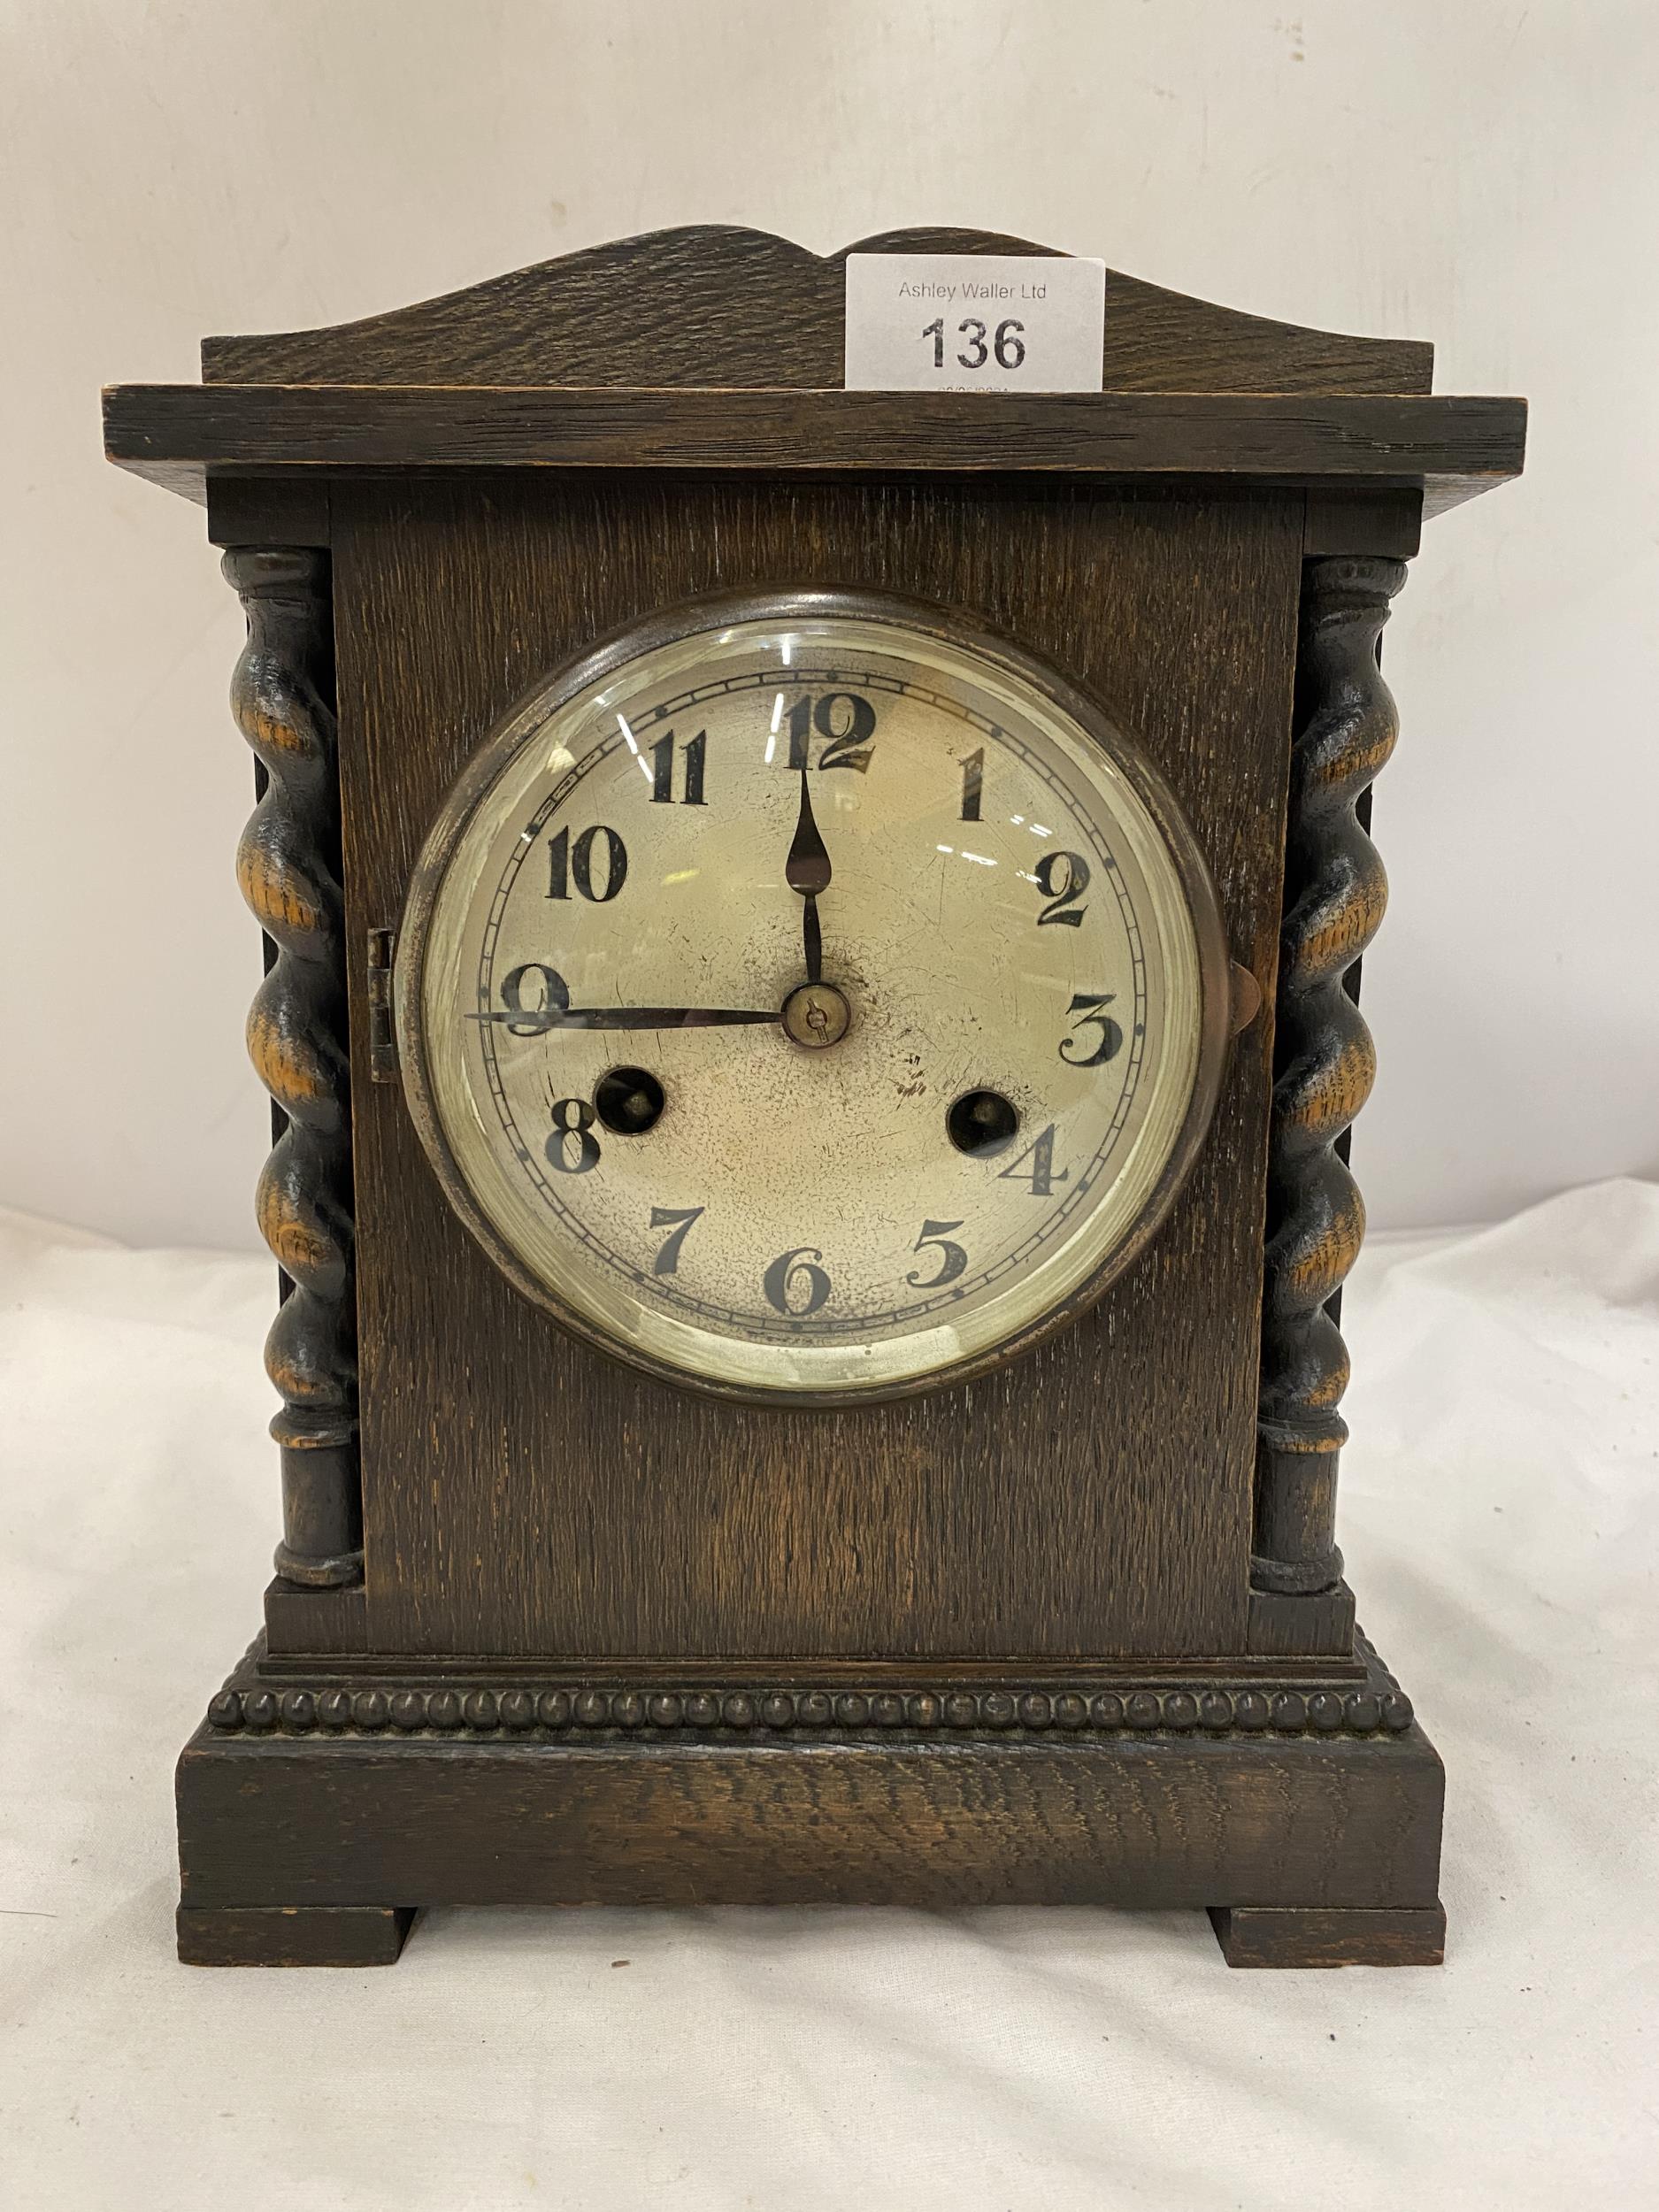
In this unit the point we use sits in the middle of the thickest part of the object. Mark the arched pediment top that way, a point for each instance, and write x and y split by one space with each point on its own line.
717 304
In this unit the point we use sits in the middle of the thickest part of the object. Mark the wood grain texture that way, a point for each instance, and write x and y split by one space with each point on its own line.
1289 1622
1450 447
302 1619
289 867
758 1677
717 304
290 511
1154 1817
1273 1935
1388 523
1093 1497
301 1935
1324 1066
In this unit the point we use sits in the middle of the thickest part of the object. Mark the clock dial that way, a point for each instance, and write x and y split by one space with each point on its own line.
811 997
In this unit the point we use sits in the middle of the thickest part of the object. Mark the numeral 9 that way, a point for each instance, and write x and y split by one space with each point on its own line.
532 1021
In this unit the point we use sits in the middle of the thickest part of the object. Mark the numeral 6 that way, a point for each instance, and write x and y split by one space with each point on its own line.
788 1274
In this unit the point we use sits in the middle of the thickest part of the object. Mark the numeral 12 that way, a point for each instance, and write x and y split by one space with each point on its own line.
844 747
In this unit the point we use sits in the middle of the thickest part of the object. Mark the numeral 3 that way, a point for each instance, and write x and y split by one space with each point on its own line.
1087 1006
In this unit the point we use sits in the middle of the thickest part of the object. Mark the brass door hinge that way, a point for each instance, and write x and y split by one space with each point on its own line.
382 1036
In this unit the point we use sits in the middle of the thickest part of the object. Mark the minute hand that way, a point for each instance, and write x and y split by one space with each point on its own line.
535 1021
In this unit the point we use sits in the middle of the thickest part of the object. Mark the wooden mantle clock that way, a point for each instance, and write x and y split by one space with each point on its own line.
811 939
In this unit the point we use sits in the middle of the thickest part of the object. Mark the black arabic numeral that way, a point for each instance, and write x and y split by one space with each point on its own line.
787 1271
536 1020
616 865
972 785
694 752
844 719
1087 1007
848 748
952 1259
677 1220
1042 1175
663 769
1009 343
573 1117
1062 878
980 353
569 864
800 734
936 330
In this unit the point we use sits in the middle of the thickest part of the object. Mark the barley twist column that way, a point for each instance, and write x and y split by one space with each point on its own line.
1323 1064
288 866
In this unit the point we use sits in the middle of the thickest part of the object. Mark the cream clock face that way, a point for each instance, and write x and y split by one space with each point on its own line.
810 997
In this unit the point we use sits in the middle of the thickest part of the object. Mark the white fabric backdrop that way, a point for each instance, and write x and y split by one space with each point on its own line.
1478 173
1500 1517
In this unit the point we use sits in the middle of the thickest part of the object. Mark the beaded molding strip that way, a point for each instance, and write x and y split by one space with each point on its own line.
546 1713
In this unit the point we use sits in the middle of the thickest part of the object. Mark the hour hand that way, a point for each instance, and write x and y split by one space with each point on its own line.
807 870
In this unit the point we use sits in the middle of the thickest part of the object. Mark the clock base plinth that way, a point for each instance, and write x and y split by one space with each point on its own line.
321 1804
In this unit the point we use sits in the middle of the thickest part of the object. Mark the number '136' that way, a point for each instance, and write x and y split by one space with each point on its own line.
1009 344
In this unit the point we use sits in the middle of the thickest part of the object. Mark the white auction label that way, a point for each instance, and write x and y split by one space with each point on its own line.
973 322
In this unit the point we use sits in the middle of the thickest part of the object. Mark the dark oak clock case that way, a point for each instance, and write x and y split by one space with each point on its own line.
547 1630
